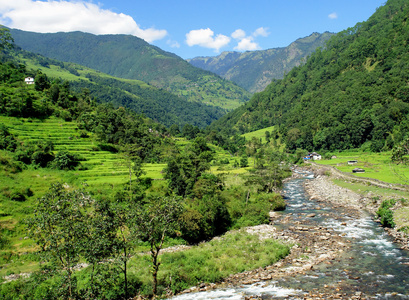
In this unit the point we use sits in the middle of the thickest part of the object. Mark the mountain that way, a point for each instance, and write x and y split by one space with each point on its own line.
254 70
157 104
129 57
353 93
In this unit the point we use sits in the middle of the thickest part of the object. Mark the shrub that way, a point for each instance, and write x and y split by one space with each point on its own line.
386 214
65 160
277 202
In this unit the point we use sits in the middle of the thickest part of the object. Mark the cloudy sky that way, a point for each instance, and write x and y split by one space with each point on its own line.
192 28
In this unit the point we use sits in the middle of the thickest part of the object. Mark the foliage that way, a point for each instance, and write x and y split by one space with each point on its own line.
401 151
153 222
351 92
132 58
58 228
66 161
184 169
386 214
6 40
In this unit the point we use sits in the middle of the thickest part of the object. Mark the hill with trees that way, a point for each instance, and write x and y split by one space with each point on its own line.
129 57
353 93
142 98
254 70
90 194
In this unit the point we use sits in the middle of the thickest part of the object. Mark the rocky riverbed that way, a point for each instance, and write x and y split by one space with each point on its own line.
312 244
322 189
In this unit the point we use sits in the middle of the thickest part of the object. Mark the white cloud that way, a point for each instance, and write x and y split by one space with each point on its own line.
247 44
261 31
55 16
206 38
332 16
238 34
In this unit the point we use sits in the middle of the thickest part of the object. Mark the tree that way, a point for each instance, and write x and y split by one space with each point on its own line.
153 223
400 151
59 228
6 40
185 168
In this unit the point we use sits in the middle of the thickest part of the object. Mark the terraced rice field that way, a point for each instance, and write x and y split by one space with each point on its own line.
101 167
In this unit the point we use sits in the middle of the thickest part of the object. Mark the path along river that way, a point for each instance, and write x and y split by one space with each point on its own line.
371 266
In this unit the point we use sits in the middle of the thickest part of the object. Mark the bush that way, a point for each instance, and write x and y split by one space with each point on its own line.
386 214
277 202
66 161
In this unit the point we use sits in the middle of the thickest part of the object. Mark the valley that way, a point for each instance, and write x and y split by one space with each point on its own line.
128 173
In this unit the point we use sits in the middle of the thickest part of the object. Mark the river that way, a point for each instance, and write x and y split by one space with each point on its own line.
372 267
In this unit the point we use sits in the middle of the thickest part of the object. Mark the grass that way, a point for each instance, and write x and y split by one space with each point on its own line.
376 165
259 134
235 252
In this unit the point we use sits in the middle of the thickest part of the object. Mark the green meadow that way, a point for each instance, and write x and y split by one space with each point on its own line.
376 165
259 134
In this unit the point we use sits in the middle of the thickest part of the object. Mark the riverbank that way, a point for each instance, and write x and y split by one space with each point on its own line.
311 245
314 245
322 189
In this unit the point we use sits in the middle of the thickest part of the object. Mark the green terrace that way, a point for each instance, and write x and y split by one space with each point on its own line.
100 167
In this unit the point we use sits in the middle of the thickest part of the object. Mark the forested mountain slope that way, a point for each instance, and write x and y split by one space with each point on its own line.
129 57
254 70
157 104
355 91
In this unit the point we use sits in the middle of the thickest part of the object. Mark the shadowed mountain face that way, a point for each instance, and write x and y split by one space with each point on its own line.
254 70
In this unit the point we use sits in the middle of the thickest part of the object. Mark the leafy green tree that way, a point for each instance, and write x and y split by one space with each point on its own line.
65 160
100 244
401 151
6 40
58 228
155 221
185 168
41 82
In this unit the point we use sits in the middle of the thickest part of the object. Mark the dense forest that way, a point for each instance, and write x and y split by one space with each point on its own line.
142 98
129 57
354 93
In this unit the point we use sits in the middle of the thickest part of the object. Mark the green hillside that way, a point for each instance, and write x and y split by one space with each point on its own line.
89 194
354 92
129 57
254 70
157 104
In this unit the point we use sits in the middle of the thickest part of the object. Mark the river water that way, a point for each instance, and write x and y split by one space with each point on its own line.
373 265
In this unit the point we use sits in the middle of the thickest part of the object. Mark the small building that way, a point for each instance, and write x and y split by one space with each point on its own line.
313 156
358 170
352 162
29 80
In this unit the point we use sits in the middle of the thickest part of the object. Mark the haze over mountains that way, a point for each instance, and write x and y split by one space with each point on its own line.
254 70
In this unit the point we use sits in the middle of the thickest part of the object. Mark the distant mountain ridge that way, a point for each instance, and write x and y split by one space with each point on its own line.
254 70
129 57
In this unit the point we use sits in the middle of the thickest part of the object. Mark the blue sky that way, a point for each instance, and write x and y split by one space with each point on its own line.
192 28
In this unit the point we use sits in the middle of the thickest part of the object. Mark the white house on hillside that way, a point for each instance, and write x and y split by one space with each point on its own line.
29 80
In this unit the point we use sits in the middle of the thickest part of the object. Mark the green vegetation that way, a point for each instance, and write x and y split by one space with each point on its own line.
78 192
350 93
155 103
385 213
129 57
